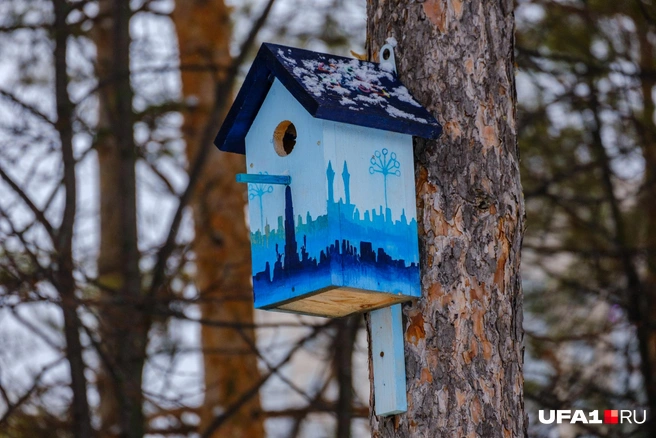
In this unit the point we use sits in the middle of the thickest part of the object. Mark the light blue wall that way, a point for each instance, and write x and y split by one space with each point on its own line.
357 145
305 164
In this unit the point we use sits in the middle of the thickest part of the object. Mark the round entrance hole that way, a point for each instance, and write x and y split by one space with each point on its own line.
284 138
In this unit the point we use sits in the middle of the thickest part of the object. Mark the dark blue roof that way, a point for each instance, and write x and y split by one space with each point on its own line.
329 87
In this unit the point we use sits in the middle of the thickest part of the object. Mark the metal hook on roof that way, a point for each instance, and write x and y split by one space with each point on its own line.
386 57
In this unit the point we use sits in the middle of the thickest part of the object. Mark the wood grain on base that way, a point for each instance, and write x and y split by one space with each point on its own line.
342 301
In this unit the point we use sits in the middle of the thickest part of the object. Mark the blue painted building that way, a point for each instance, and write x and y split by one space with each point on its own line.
341 237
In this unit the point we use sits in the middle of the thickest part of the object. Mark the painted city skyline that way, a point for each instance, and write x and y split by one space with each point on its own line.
367 250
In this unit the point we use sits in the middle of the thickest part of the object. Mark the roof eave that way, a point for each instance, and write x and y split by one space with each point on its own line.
265 69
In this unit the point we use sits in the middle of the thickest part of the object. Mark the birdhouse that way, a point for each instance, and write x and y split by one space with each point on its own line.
329 158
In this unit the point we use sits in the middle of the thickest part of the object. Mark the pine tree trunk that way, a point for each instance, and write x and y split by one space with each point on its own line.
221 243
463 338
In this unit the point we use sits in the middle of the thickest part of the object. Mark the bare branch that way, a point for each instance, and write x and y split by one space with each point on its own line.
36 330
219 420
27 107
40 216
11 407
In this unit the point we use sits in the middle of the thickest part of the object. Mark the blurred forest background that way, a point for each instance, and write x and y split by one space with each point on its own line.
125 301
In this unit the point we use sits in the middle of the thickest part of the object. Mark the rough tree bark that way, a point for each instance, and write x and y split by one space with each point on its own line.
463 338
221 242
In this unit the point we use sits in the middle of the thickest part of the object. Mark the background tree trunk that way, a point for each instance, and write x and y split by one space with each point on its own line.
221 242
463 338
109 257
347 331
64 279
644 293
124 327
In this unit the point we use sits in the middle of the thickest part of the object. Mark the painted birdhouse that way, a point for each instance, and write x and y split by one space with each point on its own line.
328 145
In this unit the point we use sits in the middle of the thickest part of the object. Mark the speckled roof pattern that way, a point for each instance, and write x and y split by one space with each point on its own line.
329 87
